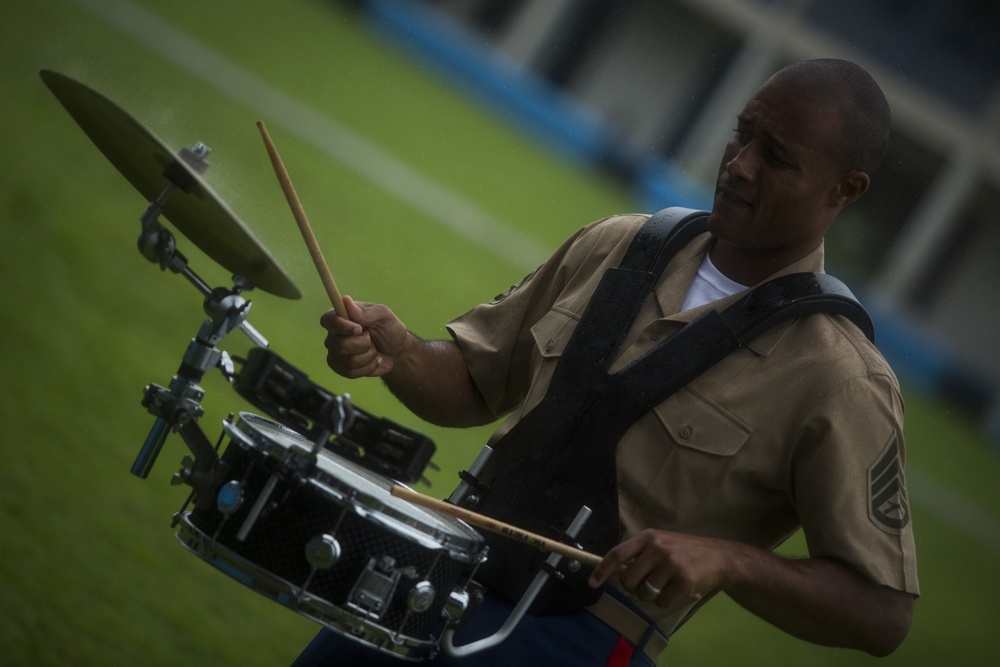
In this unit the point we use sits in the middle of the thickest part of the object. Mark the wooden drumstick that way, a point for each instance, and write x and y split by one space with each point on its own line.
495 526
300 218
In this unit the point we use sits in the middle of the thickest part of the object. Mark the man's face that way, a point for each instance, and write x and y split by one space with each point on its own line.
778 175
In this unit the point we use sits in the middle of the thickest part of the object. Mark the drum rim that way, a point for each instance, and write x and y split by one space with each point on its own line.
460 535
287 595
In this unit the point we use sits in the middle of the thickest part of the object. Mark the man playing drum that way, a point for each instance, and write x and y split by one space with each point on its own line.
801 427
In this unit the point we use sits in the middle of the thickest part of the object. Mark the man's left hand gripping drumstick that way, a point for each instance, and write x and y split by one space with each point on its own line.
303 222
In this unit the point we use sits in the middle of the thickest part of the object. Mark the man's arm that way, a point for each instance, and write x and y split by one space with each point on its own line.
430 378
819 600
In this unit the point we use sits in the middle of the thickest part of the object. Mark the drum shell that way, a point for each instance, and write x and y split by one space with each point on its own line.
302 508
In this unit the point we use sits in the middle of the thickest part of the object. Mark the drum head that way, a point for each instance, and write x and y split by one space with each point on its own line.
368 490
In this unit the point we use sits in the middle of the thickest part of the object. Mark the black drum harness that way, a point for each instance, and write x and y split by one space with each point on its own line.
561 455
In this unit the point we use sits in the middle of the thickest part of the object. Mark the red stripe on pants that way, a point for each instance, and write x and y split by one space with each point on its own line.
622 654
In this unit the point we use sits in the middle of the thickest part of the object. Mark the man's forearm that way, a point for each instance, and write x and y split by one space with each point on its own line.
432 379
822 601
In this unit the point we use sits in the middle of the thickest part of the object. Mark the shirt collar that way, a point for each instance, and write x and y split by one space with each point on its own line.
680 273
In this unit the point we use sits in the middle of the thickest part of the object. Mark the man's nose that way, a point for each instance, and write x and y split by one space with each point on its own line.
744 163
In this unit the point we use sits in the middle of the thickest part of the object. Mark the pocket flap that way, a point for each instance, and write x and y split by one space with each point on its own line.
552 332
694 422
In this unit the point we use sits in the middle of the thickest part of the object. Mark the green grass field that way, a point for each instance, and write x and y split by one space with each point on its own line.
90 571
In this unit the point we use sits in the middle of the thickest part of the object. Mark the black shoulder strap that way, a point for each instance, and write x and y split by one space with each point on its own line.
662 237
795 294
670 229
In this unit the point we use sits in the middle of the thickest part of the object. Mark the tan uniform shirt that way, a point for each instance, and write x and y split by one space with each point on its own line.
802 427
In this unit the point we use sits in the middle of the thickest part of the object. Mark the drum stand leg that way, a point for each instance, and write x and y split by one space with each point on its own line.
522 606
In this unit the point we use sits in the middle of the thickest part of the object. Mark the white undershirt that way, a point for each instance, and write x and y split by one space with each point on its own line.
709 285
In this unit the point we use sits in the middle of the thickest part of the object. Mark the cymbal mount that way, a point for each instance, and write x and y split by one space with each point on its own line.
158 245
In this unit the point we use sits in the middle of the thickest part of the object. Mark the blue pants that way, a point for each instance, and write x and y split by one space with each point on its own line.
577 639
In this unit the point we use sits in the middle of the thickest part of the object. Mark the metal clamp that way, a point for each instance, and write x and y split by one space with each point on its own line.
522 606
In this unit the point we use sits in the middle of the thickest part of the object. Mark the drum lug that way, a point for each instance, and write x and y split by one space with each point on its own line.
421 597
461 605
323 552
456 605
230 497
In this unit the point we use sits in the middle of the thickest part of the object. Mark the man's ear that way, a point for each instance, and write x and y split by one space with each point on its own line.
851 187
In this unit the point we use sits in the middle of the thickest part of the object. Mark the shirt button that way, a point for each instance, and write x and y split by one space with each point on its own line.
655 336
687 432
549 345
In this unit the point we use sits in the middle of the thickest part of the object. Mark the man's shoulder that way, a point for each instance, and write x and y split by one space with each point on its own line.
837 343
603 240
618 224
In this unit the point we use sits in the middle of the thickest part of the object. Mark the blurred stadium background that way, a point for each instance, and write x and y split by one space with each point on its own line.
422 197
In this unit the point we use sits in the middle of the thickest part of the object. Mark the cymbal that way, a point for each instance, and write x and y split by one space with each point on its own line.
194 209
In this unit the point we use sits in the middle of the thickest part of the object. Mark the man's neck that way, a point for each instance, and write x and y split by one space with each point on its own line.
748 266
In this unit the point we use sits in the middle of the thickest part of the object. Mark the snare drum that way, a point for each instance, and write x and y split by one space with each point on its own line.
326 538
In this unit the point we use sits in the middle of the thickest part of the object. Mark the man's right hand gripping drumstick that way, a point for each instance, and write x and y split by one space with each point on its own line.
431 378
368 343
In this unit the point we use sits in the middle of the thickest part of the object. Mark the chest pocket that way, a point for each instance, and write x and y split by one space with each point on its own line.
693 422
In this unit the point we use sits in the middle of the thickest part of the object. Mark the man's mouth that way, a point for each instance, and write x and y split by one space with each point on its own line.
734 197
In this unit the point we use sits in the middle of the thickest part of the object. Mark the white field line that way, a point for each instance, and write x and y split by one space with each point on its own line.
339 143
966 517
440 204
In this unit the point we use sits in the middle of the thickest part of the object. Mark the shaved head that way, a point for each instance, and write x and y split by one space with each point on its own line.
863 109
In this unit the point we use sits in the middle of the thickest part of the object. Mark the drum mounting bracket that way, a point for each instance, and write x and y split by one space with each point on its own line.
522 606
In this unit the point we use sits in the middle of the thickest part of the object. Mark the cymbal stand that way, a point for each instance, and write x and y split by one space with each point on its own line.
178 407
551 563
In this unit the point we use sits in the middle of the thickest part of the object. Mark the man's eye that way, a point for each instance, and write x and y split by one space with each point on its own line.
742 136
778 160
